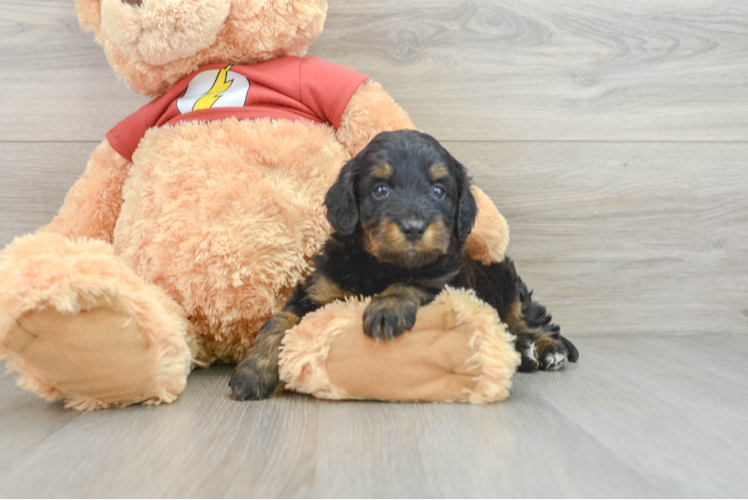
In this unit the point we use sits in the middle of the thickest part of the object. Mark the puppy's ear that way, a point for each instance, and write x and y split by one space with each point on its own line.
342 208
467 208
466 213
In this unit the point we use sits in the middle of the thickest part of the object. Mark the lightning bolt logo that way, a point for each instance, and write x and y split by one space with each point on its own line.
219 87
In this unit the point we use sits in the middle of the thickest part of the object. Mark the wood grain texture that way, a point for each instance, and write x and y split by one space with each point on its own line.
625 238
35 179
679 402
636 417
204 445
520 448
612 134
25 422
615 238
55 83
469 70
568 70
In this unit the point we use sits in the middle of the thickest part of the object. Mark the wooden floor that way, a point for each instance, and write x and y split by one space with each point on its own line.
613 135
652 416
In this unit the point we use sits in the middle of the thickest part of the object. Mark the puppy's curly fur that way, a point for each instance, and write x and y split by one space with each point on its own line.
401 211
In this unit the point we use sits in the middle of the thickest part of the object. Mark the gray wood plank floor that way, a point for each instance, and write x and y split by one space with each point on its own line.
643 416
613 135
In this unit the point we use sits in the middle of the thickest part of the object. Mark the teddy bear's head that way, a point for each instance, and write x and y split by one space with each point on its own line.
152 44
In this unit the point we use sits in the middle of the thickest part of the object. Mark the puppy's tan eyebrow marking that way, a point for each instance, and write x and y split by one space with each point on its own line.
383 170
438 171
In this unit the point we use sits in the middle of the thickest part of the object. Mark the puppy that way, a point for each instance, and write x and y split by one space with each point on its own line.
401 211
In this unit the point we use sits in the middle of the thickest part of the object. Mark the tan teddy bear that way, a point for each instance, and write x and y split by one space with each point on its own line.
198 214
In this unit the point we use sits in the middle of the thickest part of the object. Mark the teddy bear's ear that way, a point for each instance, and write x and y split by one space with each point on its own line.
342 207
89 14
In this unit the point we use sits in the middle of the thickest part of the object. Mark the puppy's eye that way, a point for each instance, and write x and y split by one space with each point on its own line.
438 191
381 191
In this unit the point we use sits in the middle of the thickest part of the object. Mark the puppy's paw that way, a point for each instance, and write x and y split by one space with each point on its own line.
388 318
551 354
253 380
529 362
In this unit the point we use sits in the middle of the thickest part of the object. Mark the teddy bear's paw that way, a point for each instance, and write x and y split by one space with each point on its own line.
78 324
93 358
253 380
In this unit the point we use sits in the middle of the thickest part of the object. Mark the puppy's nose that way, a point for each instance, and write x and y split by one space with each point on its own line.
413 229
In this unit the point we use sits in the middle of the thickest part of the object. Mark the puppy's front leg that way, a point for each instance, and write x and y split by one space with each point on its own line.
257 376
393 311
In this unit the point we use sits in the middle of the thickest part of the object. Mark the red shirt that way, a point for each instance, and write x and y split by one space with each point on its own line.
290 88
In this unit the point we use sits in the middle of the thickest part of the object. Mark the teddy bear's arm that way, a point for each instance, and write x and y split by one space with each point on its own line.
92 205
371 110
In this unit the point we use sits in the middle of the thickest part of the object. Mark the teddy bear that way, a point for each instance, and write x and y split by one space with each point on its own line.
197 215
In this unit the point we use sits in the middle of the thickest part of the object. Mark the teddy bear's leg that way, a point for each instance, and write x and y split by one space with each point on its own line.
80 325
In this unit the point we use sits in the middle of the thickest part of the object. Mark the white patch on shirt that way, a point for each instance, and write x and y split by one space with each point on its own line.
218 88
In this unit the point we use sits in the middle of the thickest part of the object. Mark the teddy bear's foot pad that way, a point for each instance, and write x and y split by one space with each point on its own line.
97 353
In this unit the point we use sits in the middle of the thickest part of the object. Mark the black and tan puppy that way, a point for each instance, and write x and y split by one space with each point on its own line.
401 211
